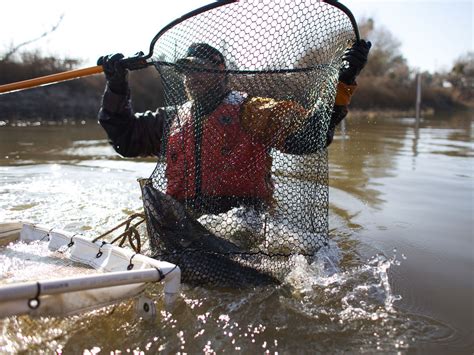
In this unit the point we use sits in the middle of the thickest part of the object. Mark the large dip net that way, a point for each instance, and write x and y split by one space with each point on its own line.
241 186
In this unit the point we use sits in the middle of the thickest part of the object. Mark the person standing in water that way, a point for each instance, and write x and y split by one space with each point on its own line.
217 143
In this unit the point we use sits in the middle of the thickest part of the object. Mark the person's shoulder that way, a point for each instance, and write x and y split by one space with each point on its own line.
235 97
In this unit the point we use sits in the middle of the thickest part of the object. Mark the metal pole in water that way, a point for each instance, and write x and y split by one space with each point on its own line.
343 129
417 114
418 98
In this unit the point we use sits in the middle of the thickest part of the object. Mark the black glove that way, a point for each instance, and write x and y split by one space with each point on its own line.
115 73
354 60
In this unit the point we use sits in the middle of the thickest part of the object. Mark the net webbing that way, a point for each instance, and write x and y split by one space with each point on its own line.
242 184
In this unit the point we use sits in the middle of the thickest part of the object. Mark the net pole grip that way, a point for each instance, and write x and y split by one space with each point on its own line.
50 79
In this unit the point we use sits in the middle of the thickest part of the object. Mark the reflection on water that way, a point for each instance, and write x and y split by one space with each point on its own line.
397 275
396 187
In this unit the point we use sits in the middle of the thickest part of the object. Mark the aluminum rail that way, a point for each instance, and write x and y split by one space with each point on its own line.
35 289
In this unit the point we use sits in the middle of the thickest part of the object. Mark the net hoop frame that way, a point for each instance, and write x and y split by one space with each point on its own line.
147 58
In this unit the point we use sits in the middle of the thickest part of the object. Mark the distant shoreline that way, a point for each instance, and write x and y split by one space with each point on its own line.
353 114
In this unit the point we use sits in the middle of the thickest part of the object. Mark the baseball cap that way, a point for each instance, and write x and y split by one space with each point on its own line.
202 54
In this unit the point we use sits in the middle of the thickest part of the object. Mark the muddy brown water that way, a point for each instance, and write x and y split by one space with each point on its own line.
401 264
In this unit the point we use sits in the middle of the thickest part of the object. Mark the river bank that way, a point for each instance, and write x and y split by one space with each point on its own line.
358 114
80 99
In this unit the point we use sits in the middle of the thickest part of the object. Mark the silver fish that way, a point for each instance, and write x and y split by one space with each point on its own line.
203 257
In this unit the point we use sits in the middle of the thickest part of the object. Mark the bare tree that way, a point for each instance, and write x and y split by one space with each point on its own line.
16 48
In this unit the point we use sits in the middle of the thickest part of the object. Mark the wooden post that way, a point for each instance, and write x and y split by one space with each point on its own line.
418 97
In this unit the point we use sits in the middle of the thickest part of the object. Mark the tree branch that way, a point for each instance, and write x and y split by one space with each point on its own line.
15 49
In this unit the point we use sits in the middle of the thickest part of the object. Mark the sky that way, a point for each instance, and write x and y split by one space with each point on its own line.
433 34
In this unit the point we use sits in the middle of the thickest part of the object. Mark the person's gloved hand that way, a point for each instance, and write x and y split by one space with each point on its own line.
115 73
354 60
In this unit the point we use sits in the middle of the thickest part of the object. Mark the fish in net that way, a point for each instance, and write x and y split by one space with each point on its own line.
241 183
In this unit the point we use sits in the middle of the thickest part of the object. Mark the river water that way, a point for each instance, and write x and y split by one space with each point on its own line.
401 251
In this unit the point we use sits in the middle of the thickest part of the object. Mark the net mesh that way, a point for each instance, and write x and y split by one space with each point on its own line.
242 182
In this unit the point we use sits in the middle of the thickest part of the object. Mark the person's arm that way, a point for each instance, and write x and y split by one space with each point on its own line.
304 140
287 126
354 60
270 121
131 134
340 109
290 128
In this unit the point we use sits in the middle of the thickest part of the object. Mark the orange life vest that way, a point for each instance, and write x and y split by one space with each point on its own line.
229 161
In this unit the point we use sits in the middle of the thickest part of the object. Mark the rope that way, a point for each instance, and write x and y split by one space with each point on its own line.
130 233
